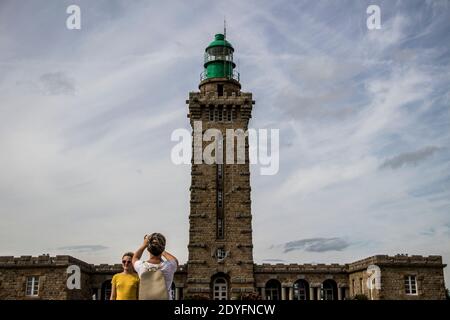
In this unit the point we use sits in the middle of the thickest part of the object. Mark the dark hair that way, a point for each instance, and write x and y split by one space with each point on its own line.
157 244
128 254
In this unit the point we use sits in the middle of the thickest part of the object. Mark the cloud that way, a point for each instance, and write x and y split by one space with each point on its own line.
57 83
409 158
316 245
315 105
428 232
81 112
316 177
274 260
83 248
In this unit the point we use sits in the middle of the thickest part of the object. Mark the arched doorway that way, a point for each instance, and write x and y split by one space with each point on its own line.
301 290
106 290
220 288
273 289
329 290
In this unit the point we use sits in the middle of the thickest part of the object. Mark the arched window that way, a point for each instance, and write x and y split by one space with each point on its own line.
273 289
329 290
220 289
301 290
106 290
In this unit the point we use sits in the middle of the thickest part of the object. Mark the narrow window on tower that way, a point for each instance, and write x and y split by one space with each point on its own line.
219 210
220 228
220 199
220 171
216 114
229 114
211 113
220 111
220 90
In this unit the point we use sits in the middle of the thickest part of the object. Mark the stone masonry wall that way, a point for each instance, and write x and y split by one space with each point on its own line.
430 283
237 242
52 275
428 270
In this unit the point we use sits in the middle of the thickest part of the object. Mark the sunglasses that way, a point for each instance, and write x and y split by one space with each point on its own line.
126 261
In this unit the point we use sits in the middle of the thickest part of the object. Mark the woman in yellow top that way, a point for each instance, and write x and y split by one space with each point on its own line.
125 285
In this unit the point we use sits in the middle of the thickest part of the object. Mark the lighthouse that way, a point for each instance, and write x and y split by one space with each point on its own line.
220 264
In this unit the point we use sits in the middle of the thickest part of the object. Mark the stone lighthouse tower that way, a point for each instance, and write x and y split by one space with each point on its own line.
220 264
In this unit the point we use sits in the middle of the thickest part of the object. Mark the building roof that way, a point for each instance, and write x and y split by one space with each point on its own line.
219 41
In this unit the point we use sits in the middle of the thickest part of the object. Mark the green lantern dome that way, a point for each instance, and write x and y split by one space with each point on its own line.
219 41
219 60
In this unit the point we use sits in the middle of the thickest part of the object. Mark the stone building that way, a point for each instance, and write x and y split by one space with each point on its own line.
220 263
